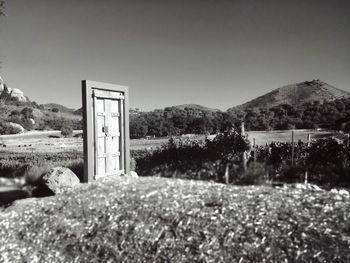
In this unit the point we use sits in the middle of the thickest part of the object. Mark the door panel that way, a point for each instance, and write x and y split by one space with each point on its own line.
107 133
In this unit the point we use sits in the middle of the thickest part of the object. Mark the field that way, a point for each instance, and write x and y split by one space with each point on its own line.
266 137
125 219
51 141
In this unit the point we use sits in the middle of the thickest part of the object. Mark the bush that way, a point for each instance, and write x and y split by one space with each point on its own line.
67 130
6 128
195 159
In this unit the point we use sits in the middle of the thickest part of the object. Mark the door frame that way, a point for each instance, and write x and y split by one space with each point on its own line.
88 126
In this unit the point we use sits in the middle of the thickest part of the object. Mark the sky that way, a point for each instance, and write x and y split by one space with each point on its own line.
216 53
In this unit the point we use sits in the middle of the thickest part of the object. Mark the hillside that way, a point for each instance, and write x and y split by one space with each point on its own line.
196 107
59 107
296 94
123 219
18 113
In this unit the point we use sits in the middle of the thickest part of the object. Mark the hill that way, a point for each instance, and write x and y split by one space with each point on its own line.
19 113
295 95
195 107
123 219
59 107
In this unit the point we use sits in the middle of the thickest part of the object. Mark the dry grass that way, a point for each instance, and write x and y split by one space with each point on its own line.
163 220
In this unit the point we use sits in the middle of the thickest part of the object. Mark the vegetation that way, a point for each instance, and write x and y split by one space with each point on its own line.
67 130
334 115
6 128
195 159
166 220
17 165
326 161
32 116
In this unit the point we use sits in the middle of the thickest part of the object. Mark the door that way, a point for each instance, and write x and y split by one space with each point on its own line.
106 130
108 121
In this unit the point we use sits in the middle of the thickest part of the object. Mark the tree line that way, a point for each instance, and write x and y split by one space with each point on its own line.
172 121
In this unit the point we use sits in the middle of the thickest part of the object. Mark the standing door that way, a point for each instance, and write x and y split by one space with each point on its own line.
106 130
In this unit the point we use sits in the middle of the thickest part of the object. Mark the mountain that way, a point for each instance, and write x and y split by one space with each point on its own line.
296 94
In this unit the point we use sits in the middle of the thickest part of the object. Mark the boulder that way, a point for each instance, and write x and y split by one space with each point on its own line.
60 179
21 205
16 127
132 174
17 93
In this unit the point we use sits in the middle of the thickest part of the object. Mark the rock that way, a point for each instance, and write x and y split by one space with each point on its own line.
132 174
17 93
16 126
341 192
344 192
2 87
60 179
20 205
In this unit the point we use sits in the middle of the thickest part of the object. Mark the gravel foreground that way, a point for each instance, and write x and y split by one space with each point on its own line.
166 220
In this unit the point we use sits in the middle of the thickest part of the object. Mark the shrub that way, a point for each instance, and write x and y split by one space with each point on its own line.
6 128
195 159
67 130
254 175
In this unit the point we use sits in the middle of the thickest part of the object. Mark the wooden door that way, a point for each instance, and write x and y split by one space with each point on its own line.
106 130
108 121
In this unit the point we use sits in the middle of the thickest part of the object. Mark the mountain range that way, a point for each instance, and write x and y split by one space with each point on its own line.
294 94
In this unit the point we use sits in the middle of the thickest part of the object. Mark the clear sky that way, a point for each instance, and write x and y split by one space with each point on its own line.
217 53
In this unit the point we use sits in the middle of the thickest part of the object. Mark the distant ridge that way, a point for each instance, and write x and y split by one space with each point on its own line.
194 106
61 108
296 94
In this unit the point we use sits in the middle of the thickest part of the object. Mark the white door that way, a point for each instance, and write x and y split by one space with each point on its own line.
108 122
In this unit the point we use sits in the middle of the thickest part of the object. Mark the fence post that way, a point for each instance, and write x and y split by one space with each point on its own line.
244 157
254 145
306 170
227 174
292 147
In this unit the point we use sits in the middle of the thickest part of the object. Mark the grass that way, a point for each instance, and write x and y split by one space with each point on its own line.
124 219
32 166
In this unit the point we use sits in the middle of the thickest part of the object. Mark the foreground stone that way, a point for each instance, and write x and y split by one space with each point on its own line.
148 219
132 174
60 179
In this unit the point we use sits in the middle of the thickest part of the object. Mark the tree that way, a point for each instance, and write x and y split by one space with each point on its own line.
27 113
67 130
138 127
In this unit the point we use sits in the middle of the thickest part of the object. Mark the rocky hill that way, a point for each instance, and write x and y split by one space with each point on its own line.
296 94
18 113
13 93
